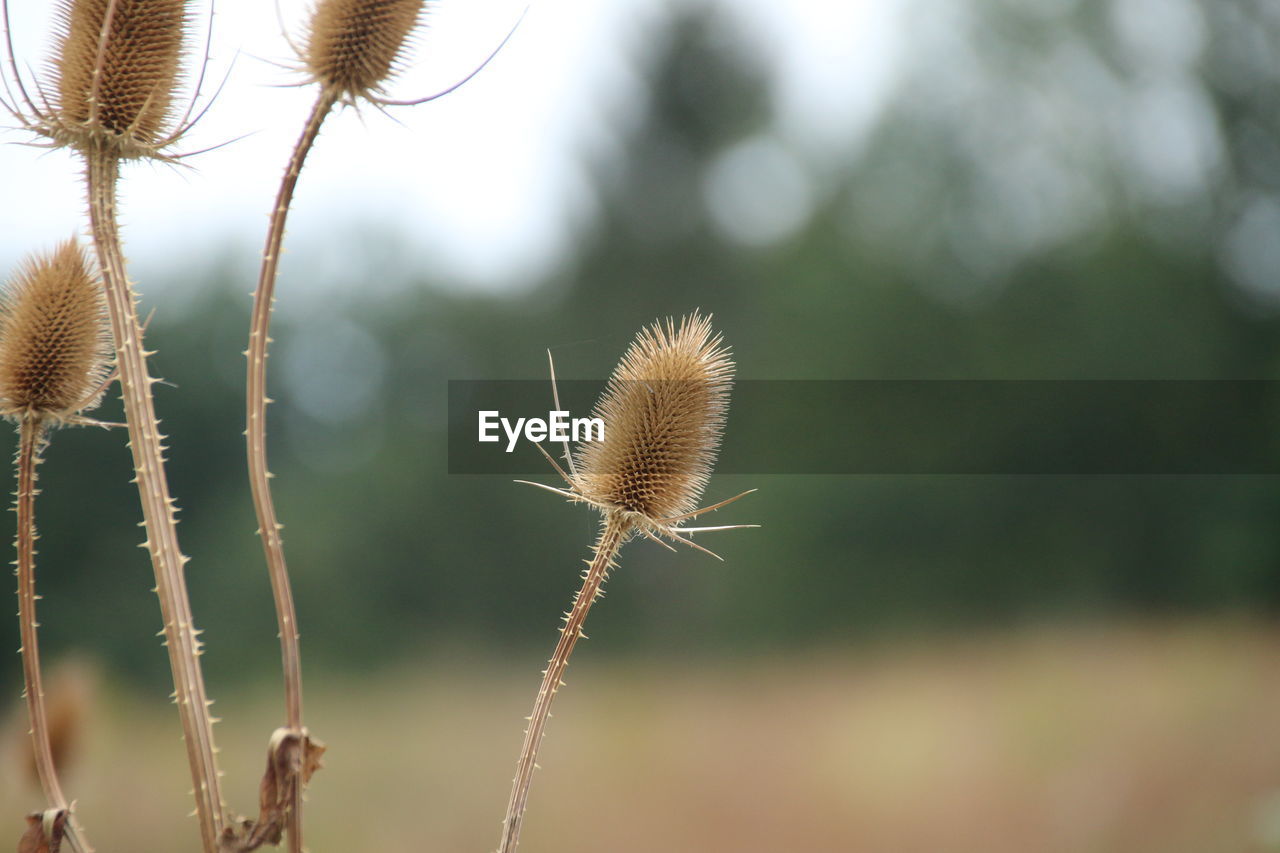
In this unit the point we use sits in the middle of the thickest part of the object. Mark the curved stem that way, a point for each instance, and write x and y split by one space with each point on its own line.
158 511
29 432
30 437
613 532
256 442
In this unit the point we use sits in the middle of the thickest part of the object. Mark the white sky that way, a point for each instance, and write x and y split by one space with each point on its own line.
488 180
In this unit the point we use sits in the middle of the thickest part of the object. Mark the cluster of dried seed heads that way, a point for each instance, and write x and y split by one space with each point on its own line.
55 347
354 47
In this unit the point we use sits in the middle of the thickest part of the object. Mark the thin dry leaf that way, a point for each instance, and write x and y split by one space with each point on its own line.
292 758
44 833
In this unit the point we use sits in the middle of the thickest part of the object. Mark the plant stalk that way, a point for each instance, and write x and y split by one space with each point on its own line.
29 433
30 436
256 401
158 511
613 532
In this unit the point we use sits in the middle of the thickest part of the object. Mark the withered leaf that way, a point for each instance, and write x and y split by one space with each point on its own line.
293 756
35 839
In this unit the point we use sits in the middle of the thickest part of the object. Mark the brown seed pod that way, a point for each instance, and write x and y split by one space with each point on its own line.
54 343
664 411
354 47
116 74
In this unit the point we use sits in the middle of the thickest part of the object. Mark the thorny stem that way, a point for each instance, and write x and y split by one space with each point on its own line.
28 457
30 436
256 440
614 530
158 511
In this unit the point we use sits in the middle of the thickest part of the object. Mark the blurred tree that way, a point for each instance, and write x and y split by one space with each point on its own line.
1058 190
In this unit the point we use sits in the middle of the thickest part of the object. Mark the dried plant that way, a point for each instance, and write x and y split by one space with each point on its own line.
117 70
353 48
54 345
663 411
54 354
115 76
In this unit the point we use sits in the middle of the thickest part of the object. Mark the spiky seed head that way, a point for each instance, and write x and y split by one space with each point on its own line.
116 72
55 345
663 410
354 47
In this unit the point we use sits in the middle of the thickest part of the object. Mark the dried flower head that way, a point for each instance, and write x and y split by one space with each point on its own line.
55 346
116 73
354 47
664 411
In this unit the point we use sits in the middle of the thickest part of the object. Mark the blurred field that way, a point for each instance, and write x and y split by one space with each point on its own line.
1153 738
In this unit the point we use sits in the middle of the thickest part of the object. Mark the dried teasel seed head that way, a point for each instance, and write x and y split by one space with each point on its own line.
55 345
354 46
116 73
663 410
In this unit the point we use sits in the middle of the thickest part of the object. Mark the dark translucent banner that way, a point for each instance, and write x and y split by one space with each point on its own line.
1137 427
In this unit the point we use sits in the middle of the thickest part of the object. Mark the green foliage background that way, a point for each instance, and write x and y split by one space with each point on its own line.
914 263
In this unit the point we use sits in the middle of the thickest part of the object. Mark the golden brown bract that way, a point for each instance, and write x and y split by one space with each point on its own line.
664 412
354 46
116 74
54 344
